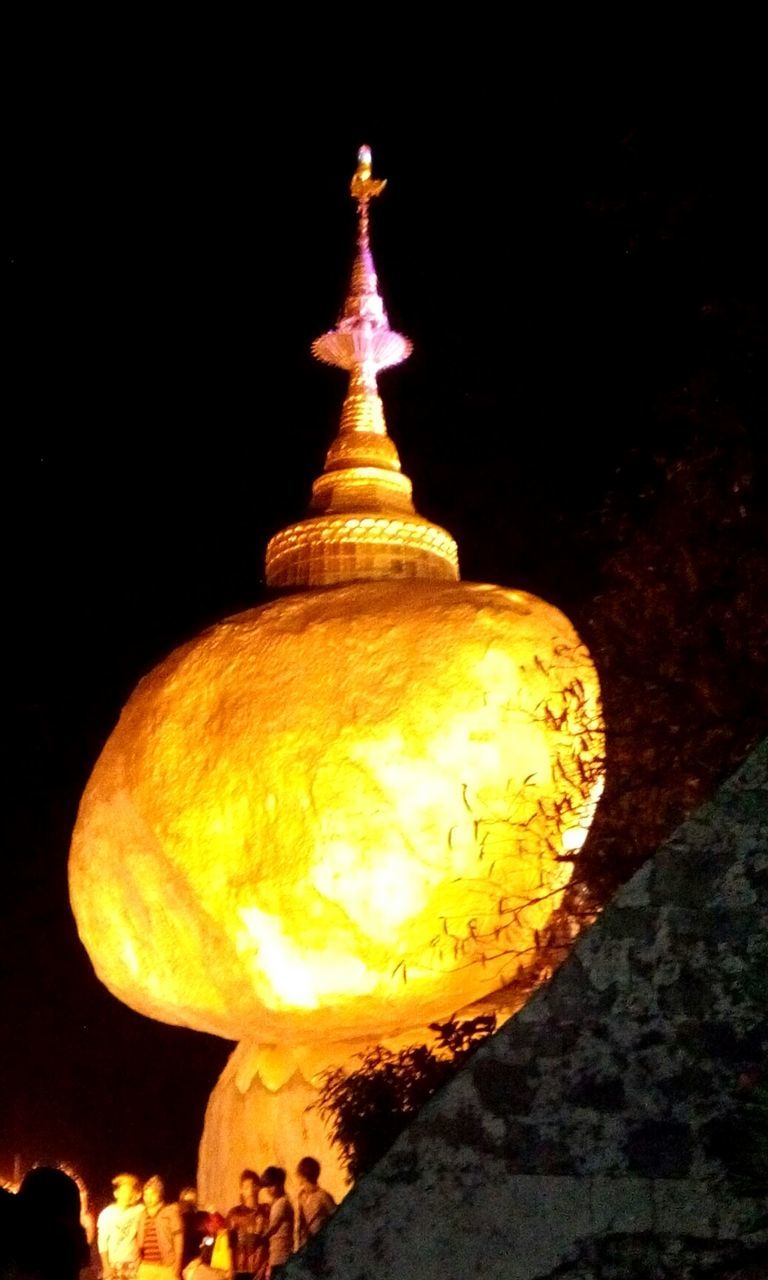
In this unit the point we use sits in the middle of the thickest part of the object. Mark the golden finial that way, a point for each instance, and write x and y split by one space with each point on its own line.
363 186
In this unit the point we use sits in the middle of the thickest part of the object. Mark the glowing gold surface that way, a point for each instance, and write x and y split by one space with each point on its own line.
335 549
301 810
363 186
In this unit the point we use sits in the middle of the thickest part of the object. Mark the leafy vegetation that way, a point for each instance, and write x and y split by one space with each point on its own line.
369 1107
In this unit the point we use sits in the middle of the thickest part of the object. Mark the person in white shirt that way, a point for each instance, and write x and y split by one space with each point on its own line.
117 1229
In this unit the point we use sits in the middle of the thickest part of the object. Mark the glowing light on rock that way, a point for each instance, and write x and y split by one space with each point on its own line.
301 811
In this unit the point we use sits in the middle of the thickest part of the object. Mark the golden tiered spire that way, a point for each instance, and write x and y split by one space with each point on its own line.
362 523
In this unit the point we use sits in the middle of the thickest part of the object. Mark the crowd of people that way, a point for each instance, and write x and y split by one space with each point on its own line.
50 1233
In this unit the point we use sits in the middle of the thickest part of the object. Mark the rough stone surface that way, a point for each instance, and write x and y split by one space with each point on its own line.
585 1139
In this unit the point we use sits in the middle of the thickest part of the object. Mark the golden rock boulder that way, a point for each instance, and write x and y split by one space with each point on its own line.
339 814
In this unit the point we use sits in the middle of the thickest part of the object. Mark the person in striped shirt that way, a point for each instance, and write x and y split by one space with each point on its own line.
161 1235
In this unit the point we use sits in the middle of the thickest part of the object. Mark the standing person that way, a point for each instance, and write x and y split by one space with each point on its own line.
247 1223
281 1219
190 1223
87 1222
315 1204
161 1235
48 1239
117 1229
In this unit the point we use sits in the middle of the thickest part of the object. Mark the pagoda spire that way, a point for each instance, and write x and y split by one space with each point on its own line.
362 522
362 343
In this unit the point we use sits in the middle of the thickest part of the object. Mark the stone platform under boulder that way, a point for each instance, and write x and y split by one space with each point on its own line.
604 1130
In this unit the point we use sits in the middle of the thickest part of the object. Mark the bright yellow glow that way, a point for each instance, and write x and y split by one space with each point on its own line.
384 887
129 956
294 977
339 814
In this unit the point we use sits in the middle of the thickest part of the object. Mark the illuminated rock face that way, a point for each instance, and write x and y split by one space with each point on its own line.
312 818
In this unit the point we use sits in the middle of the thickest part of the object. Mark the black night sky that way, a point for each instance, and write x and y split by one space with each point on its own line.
562 263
